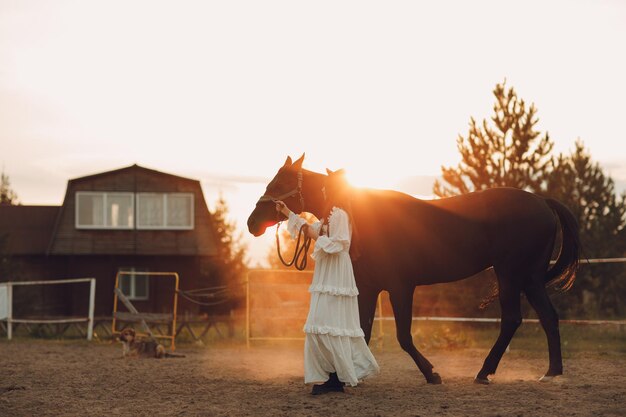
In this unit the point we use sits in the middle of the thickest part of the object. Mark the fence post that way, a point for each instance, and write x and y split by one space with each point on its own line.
248 310
9 310
92 301
380 322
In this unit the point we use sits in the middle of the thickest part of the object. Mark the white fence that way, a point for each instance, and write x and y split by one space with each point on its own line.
4 301
250 315
497 320
6 305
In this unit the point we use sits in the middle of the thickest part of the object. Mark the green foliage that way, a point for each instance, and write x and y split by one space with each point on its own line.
529 340
8 197
581 185
508 152
231 251
230 266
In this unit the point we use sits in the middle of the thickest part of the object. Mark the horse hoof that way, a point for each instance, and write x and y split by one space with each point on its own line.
547 378
435 379
482 381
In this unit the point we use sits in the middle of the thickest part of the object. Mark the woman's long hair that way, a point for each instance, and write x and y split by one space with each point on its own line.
340 194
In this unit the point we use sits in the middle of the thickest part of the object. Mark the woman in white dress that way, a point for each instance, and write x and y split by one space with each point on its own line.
335 352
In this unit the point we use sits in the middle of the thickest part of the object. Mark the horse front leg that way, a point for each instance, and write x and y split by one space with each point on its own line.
367 309
402 303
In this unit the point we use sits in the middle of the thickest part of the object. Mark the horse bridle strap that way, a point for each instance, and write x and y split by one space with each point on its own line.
301 253
298 190
303 242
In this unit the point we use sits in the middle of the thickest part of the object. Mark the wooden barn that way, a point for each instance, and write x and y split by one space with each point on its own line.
132 219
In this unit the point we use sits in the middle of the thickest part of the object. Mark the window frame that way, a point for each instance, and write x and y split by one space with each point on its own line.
164 225
129 272
105 210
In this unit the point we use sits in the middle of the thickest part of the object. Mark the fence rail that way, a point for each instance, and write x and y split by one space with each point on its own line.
496 320
599 261
10 320
380 319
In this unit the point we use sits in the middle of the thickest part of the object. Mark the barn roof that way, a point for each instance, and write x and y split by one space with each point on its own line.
26 230
131 168
51 229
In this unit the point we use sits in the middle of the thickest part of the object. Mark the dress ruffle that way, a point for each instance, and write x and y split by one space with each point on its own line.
339 239
334 340
334 272
333 331
332 290
348 356
334 315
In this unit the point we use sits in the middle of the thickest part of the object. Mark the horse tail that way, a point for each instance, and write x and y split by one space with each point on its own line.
563 273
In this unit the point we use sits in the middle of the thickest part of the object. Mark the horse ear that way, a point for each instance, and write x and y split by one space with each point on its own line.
298 163
339 173
287 162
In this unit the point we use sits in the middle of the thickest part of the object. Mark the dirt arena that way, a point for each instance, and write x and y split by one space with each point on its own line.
74 378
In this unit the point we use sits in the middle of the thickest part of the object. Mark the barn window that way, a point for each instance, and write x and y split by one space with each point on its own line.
134 286
104 210
171 211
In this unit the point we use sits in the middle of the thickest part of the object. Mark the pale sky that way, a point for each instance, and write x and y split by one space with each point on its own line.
224 91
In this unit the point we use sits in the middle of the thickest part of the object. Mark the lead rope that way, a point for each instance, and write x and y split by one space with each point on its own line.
300 255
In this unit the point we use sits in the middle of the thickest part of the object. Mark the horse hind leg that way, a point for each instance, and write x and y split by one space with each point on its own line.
402 304
511 319
538 298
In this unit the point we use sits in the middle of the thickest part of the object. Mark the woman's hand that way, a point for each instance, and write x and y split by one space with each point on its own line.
310 232
282 208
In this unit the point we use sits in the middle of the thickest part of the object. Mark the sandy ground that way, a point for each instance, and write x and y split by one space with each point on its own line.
41 378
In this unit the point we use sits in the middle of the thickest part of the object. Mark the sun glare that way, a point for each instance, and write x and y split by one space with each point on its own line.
370 179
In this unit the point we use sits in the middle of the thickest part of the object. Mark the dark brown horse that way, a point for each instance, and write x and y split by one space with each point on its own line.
405 242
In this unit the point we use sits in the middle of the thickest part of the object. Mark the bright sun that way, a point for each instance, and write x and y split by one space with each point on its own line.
370 178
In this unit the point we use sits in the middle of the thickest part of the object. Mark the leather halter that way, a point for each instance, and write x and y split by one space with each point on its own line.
301 252
298 190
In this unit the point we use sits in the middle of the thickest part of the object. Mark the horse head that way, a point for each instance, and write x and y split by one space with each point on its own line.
299 189
336 184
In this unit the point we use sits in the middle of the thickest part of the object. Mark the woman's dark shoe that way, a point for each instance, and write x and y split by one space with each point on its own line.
334 380
325 388
332 385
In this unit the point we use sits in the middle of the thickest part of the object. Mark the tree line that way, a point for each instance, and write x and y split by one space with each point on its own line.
509 151
506 150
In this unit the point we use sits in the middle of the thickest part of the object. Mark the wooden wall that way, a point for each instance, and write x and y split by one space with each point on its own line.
73 299
67 239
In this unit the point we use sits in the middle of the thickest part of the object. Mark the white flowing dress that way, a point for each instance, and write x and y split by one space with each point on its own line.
334 339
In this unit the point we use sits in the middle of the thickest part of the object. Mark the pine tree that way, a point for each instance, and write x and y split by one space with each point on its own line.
230 266
8 197
509 152
581 185
231 252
